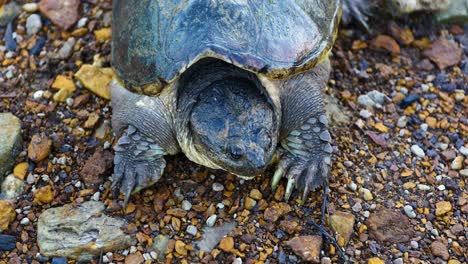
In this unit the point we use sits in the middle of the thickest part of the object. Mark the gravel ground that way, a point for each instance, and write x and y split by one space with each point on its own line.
397 183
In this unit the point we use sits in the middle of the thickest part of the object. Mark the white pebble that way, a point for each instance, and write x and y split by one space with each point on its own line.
38 94
424 127
82 22
30 7
463 151
192 230
133 249
25 221
414 245
409 211
435 232
218 187
402 121
211 220
186 205
441 187
33 24
70 101
237 261
418 151
220 205
365 114
154 255
423 187
352 186
96 196
105 259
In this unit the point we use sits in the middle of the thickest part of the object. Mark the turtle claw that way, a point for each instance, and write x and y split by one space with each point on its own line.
138 163
304 175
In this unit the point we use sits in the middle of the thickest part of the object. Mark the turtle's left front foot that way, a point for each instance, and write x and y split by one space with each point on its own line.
306 158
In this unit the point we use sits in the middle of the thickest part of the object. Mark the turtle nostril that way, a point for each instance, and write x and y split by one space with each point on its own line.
236 152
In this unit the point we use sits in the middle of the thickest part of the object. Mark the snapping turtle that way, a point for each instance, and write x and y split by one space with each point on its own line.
230 83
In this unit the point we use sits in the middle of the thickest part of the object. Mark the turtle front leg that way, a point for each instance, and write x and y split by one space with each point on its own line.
305 141
305 159
146 135
138 162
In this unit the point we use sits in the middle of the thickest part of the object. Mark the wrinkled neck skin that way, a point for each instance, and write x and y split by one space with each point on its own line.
225 118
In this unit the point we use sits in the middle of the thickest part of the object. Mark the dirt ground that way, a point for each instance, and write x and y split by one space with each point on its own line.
399 169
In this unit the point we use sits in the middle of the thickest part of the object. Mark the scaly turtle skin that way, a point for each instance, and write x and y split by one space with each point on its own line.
229 83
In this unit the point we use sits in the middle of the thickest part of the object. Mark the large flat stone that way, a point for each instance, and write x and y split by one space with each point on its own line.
10 141
80 232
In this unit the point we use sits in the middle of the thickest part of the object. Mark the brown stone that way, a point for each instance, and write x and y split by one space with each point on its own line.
425 65
180 248
440 250
289 226
343 224
227 244
135 258
273 213
384 42
7 214
444 53
39 147
443 208
403 35
95 167
389 226
44 195
63 13
307 247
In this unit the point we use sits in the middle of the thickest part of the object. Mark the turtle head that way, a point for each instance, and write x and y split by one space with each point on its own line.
234 126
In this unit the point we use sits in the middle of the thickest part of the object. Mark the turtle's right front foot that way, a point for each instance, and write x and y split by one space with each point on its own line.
359 10
138 162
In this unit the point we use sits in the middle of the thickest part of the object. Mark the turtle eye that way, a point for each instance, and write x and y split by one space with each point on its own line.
235 152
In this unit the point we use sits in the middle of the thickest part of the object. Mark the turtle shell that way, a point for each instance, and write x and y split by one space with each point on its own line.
155 41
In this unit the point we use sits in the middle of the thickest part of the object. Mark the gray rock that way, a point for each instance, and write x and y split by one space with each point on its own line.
10 141
402 7
66 50
192 230
9 13
372 99
33 24
213 235
12 188
457 11
463 151
160 245
409 211
80 232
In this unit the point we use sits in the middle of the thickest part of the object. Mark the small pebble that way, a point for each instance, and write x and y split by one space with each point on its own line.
237 261
418 151
218 187
409 211
38 94
435 232
30 7
414 245
211 220
33 24
366 194
352 186
441 187
186 205
365 114
423 187
401 123
192 230
463 151
25 221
